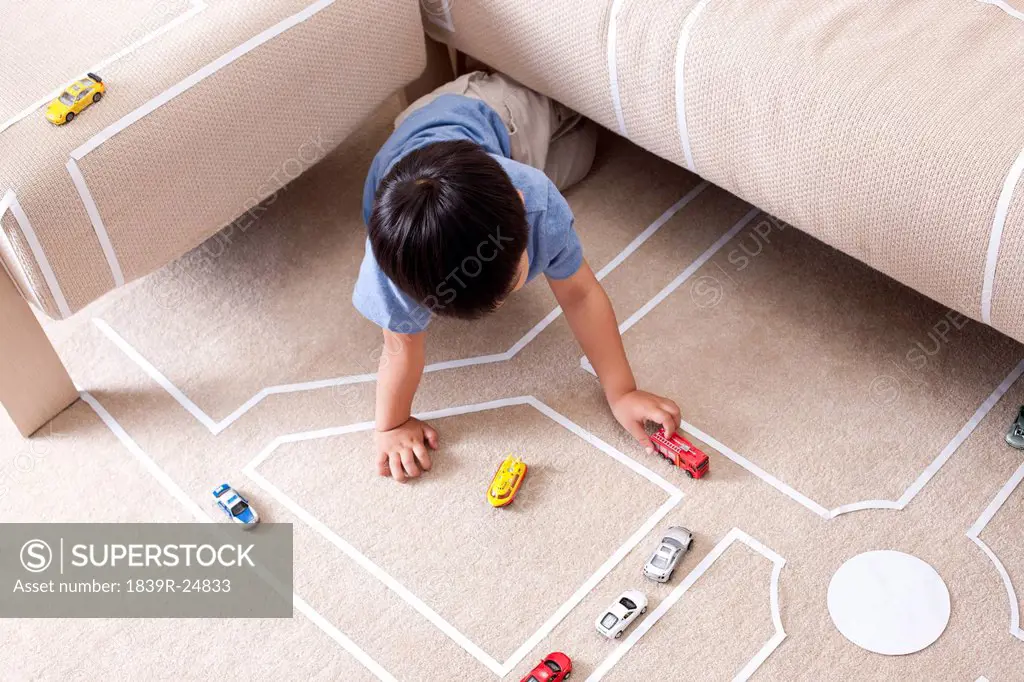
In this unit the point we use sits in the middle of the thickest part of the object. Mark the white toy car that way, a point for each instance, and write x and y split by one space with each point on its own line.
663 562
235 506
621 614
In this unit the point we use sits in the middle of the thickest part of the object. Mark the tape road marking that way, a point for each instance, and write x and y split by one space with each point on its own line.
201 516
215 427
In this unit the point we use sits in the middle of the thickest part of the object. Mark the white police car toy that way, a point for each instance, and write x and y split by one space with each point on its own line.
235 506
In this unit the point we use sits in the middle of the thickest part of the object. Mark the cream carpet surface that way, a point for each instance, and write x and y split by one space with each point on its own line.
842 413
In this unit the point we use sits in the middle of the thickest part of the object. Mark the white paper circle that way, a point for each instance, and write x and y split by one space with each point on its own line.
888 602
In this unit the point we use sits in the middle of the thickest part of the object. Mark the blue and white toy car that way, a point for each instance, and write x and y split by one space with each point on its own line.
235 506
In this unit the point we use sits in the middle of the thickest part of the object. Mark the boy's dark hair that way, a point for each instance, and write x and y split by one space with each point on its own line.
449 229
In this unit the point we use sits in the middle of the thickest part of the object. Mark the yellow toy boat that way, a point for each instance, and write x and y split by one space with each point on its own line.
506 482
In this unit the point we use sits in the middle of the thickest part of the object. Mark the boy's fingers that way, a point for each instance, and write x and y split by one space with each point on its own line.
409 463
422 456
671 408
658 416
382 464
672 425
638 432
431 436
669 422
395 460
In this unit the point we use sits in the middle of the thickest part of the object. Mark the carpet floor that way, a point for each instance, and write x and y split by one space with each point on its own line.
841 411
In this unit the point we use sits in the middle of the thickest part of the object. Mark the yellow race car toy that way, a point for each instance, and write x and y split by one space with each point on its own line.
75 98
506 482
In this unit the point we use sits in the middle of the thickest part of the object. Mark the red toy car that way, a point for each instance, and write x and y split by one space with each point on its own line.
554 668
681 452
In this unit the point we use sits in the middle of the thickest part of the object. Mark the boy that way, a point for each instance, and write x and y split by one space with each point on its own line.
463 208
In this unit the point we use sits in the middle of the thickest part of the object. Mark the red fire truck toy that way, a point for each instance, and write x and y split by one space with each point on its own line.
681 452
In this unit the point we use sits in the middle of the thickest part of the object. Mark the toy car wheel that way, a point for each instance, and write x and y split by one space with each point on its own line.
70 117
618 634
689 474
567 675
643 610
97 97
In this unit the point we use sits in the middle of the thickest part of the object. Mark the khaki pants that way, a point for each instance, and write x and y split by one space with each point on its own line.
544 133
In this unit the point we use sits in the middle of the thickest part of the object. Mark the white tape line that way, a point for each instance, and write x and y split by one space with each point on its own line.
338 636
944 455
199 76
963 434
678 281
533 402
684 42
147 462
591 583
197 7
717 445
215 427
10 202
689 271
651 229
714 555
500 669
614 263
780 634
528 337
995 238
369 425
158 101
771 480
864 505
774 601
97 222
202 517
1006 7
613 65
997 502
909 494
1011 594
377 572
287 388
975 535
154 373
604 447
484 359
751 667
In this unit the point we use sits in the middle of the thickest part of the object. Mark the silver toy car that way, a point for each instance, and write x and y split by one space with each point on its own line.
1015 436
666 557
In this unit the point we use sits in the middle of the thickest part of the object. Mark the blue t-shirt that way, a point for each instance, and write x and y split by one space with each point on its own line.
553 248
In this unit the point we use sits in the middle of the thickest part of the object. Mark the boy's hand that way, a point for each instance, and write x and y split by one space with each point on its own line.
635 408
402 451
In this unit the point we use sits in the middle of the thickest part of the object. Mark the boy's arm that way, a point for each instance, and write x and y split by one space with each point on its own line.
592 320
400 369
401 440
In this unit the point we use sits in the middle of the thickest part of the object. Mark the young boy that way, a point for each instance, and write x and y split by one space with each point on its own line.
463 208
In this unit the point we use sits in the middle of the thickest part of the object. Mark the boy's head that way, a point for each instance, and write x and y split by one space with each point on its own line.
449 229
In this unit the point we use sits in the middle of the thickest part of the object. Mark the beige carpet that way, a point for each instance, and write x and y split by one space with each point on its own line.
831 401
